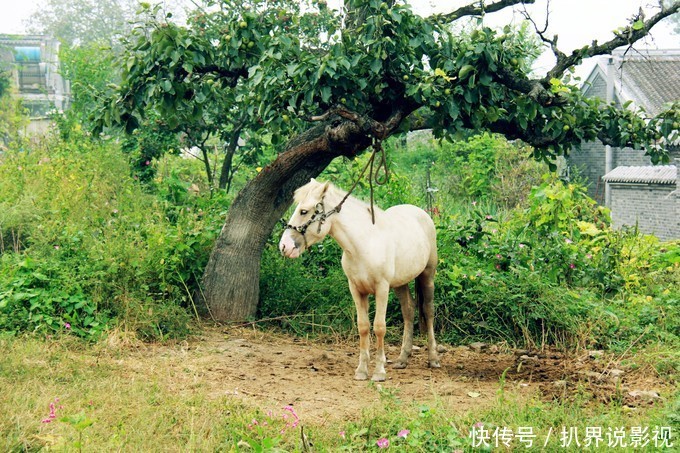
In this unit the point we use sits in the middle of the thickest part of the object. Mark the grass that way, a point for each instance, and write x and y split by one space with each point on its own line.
109 397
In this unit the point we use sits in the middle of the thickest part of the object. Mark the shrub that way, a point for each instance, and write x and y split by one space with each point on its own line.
91 245
554 272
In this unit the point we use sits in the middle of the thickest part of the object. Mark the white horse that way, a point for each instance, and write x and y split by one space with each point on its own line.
401 246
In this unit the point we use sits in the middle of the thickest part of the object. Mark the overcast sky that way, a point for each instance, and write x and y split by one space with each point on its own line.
577 22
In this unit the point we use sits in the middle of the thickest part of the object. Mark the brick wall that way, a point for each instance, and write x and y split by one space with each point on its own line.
588 163
631 203
588 160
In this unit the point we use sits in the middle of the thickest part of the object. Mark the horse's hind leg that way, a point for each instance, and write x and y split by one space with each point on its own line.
407 311
426 287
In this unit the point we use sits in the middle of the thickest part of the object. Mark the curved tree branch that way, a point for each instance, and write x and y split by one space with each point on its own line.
475 9
628 36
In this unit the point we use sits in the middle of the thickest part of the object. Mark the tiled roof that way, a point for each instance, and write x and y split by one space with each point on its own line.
648 77
662 174
651 79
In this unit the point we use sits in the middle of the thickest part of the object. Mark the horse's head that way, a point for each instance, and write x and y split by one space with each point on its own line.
308 224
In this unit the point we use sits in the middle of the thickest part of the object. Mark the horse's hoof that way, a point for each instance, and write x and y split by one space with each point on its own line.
435 364
360 376
399 365
379 377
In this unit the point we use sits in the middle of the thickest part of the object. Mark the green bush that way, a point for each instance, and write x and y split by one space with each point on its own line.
554 273
83 243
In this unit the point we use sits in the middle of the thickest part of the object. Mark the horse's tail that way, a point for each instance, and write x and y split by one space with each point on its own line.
422 324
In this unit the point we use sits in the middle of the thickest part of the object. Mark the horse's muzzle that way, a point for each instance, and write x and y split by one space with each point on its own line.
288 247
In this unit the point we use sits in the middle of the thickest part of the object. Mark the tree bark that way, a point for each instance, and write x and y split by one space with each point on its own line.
231 278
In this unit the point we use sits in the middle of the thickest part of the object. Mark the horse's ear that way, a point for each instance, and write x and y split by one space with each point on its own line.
326 185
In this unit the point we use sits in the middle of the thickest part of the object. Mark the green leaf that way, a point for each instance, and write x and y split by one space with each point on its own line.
325 93
465 70
638 25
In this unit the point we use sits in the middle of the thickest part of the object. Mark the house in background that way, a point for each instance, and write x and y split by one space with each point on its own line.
34 63
624 179
646 197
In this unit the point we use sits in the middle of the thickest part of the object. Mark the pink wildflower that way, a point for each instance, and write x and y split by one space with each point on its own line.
296 420
478 425
147 163
499 256
474 203
342 434
488 217
56 247
383 443
522 245
403 433
568 241
589 256
53 412
572 266
67 326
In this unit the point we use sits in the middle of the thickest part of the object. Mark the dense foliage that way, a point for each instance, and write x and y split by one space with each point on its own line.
284 60
84 246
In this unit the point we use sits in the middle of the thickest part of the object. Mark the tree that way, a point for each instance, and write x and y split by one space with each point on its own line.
376 71
76 22
192 95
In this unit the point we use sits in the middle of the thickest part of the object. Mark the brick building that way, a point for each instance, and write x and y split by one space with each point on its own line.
647 198
649 79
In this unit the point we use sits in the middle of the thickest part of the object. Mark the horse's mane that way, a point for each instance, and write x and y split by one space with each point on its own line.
333 192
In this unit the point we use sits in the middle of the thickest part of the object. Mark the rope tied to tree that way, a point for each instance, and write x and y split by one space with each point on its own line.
378 174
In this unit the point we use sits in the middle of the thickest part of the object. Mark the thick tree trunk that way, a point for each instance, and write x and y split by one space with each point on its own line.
231 278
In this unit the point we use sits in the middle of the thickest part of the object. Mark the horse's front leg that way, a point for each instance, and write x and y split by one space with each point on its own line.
364 326
379 328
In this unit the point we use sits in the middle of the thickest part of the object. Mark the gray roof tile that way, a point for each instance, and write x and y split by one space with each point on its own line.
662 174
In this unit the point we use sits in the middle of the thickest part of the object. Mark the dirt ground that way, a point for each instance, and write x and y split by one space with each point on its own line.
267 370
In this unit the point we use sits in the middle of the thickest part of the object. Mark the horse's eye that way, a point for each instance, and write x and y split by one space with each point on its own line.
303 212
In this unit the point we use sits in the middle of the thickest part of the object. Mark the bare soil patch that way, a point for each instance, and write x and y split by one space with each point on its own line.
268 371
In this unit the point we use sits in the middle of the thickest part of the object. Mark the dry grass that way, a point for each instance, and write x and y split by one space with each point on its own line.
132 409
150 397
